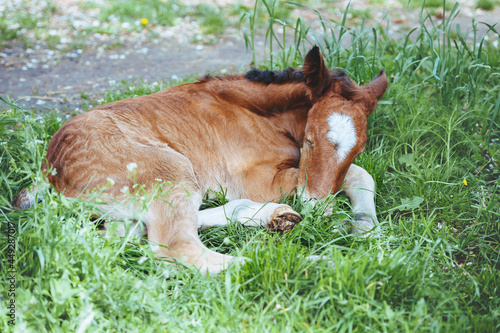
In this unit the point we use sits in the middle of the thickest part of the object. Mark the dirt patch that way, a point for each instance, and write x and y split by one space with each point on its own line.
90 76
57 77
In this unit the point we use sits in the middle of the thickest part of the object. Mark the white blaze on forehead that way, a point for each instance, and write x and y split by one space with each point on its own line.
342 133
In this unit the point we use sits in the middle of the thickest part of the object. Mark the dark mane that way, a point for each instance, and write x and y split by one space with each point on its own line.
276 77
289 75
345 86
264 76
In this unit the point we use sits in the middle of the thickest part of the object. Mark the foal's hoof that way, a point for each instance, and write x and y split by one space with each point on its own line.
283 220
365 225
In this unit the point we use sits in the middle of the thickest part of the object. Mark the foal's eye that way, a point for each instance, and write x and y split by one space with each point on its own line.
309 143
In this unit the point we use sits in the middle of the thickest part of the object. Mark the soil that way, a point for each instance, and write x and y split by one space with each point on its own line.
65 83
41 78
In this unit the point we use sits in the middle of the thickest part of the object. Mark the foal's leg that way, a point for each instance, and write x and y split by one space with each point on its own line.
171 223
360 188
174 225
275 217
171 218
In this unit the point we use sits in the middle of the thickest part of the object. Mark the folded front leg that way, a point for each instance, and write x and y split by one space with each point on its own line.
360 188
275 217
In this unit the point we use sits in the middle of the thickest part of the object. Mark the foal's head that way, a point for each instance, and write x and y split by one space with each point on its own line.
336 126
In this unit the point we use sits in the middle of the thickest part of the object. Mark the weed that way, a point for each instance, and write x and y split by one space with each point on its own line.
486 4
156 11
429 3
213 22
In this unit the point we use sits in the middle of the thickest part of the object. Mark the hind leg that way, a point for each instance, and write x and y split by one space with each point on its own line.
172 230
171 225
170 187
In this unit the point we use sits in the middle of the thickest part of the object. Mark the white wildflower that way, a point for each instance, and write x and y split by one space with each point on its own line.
131 167
124 189
110 181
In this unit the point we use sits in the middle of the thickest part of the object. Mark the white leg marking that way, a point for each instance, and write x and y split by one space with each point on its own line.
360 188
244 211
342 133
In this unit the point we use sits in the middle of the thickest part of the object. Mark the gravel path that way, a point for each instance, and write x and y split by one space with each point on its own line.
64 84
47 77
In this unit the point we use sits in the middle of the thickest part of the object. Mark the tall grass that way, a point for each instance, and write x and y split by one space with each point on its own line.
432 149
437 56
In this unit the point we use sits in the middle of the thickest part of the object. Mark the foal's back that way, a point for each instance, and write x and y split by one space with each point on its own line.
230 132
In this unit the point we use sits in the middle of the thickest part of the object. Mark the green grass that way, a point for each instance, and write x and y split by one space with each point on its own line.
487 4
21 16
156 11
435 267
213 19
428 3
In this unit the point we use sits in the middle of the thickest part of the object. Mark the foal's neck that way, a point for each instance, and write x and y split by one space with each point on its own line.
286 104
263 99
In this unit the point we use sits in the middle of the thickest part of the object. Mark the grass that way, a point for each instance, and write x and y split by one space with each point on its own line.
487 4
428 3
19 17
432 149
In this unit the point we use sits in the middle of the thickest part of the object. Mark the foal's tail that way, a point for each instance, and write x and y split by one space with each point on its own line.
26 198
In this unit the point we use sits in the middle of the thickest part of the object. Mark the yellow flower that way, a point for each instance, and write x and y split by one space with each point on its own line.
144 21
464 181
418 71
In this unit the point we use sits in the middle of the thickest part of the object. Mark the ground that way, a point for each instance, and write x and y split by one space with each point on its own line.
66 73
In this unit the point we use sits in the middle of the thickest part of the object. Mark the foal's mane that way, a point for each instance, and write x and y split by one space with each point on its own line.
345 86
289 75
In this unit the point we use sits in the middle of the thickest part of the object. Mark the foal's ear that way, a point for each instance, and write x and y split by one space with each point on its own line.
318 78
369 95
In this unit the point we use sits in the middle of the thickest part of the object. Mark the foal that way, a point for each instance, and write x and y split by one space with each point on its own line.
244 133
